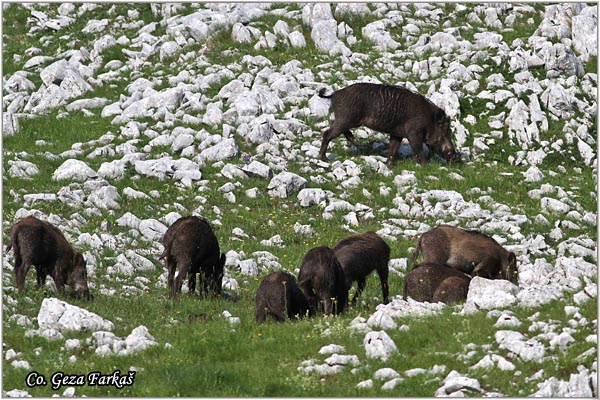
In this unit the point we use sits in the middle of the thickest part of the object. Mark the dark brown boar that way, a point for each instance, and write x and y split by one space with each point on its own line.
279 295
359 255
468 251
39 243
433 283
395 110
321 278
191 247
453 289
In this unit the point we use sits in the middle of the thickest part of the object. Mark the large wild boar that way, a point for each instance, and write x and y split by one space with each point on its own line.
321 278
395 110
434 283
43 245
468 251
191 247
279 295
359 255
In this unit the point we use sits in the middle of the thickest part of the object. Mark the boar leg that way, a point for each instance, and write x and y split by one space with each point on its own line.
18 268
278 317
361 282
20 274
416 144
350 138
333 132
383 278
171 266
192 282
327 304
40 275
260 315
184 269
393 149
58 277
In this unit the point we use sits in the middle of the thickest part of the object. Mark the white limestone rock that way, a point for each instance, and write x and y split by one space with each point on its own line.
285 183
486 294
331 349
458 385
152 229
22 169
378 33
379 345
584 27
64 317
223 150
75 170
580 384
494 361
258 170
310 196
381 320
518 344
384 374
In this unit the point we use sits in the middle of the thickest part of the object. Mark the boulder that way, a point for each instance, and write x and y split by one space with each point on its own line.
285 183
64 317
486 294
379 345
75 170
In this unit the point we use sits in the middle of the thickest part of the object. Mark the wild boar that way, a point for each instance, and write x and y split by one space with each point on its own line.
191 247
453 289
359 255
468 251
433 283
279 295
39 243
395 110
321 278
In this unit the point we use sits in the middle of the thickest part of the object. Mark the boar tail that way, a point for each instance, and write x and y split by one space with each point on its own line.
12 241
322 93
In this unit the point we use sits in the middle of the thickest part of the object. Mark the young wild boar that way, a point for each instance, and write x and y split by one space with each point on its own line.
359 255
321 278
453 289
43 245
468 251
434 283
395 110
191 247
279 295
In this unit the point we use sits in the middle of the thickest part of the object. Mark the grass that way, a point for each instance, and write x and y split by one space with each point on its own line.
212 357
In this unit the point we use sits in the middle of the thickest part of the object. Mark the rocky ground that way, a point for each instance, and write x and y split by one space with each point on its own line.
175 114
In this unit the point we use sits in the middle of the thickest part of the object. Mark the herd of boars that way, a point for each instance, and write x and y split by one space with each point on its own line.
451 255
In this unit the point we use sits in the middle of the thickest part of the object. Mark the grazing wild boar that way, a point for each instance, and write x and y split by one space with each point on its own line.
279 295
43 245
321 278
434 283
359 255
468 251
191 247
395 110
